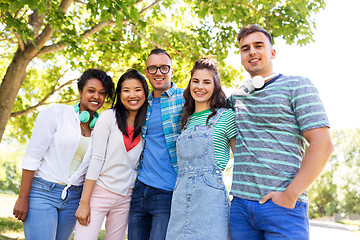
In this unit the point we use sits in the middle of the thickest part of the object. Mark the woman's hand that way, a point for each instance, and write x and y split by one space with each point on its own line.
21 208
22 203
83 214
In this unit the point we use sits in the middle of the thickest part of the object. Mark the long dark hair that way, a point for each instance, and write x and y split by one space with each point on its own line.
121 112
218 99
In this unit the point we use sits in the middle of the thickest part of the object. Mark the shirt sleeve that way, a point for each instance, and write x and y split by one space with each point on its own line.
99 144
230 102
307 106
41 138
231 125
226 131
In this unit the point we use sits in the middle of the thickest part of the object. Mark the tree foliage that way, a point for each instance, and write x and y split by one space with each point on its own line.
337 190
43 41
10 159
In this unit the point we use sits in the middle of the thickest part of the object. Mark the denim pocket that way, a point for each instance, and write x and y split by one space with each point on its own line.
213 181
41 185
298 206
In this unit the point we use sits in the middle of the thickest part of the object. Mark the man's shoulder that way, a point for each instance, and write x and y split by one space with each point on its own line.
293 79
179 92
175 92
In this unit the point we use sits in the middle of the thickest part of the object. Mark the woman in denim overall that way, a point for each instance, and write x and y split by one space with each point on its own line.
200 204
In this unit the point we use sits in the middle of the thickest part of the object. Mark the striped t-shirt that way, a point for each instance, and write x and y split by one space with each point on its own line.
271 146
223 131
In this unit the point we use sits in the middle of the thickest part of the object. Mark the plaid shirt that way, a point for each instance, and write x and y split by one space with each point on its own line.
171 103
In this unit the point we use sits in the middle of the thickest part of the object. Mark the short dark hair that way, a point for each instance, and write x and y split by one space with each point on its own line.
158 51
249 29
121 112
218 98
105 80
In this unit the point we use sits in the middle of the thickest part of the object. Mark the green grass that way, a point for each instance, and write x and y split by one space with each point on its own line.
350 222
10 228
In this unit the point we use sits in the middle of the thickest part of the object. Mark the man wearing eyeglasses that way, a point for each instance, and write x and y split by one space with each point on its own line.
151 199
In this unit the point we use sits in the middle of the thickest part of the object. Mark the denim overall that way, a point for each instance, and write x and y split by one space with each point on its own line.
200 204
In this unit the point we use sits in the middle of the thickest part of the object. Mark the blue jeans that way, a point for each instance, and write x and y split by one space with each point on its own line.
149 212
49 217
253 221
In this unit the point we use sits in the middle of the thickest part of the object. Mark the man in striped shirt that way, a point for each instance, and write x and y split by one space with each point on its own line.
272 170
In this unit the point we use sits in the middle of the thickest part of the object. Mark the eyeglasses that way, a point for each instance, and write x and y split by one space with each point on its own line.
164 69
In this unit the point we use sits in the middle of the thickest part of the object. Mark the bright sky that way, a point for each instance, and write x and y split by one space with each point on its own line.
331 62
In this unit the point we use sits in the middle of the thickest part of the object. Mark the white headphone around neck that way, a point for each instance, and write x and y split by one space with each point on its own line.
256 82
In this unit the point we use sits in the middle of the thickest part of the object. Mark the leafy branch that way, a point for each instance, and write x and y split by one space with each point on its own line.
43 101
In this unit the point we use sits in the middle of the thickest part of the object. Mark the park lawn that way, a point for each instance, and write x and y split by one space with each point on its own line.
11 229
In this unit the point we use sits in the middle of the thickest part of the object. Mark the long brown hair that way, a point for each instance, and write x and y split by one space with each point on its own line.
217 100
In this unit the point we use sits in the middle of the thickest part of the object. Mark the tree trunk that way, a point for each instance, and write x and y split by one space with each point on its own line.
13 79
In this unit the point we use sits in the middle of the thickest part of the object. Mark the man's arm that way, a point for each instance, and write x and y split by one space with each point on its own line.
316 156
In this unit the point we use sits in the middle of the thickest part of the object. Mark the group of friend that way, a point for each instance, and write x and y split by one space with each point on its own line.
152 164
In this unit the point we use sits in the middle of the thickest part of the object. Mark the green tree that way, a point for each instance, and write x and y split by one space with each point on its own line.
42 40
337 189
10 159
323 196
347 175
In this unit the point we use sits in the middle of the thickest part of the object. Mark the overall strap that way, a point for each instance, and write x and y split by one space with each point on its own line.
214 119
186 124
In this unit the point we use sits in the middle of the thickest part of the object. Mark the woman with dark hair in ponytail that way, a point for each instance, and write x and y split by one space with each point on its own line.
200 204
117 145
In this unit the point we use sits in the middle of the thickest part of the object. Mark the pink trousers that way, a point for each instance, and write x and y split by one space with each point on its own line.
114 207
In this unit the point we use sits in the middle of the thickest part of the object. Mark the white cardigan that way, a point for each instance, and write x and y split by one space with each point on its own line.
55 138
111 165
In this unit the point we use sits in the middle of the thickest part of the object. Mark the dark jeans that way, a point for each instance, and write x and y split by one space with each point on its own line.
149 212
